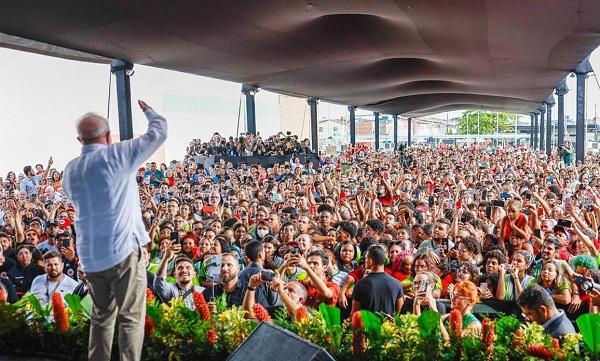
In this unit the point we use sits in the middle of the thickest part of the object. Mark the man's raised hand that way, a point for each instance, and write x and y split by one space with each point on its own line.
143 105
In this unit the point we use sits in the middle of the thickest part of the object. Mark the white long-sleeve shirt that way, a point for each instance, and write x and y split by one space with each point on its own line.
101 183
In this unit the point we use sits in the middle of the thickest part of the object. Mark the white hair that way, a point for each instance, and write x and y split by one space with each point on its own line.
91 130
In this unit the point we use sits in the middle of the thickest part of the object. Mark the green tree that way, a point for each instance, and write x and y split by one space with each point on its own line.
487 122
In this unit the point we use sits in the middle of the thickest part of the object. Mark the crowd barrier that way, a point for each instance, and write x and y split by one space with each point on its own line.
264 161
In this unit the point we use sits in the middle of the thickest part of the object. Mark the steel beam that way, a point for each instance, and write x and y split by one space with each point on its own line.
249 91
123 71
535 130
376 146
542 111
580 134
531 130
561 91
395 116
549 103
314 126
352 110
409 132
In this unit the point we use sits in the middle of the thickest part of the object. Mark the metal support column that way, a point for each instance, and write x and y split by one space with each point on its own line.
352 110
123 71
395 116
376 146
409 132
531 128
535 130
314 126
249 91
549 103
561 90
580 126
542 111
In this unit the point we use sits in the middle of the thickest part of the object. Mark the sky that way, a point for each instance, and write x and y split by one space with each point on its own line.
41 97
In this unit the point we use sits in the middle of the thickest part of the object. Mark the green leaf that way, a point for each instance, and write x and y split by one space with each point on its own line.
87 306
429 323
331 315
43 312
589 326
372 322
74 303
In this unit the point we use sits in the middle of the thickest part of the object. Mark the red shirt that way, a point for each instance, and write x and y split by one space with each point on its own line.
314 297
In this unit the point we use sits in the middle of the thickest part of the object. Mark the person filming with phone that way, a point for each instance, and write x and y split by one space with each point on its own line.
184 276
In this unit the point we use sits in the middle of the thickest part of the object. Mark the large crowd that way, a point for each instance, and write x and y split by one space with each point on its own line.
248 144
435 228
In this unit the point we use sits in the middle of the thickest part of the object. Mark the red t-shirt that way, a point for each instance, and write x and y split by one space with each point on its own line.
314 297
387 200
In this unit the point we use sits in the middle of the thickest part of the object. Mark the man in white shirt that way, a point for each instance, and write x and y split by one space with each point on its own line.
102 184
54 280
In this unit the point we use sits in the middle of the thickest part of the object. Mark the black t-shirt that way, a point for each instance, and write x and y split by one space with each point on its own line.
235 298
378 292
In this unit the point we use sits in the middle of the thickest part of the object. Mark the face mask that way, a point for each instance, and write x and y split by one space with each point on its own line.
262 232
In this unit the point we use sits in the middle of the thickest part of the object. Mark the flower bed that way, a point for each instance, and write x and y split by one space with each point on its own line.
173 332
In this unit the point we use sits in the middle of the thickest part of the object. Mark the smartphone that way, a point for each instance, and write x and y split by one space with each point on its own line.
175 237
267 275
445 244
537 233
567 223
497 203
484 287
430 201
484 194
66 242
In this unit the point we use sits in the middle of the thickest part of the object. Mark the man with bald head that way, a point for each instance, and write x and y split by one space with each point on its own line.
101 182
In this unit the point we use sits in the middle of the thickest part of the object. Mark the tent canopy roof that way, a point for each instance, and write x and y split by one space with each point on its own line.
404 57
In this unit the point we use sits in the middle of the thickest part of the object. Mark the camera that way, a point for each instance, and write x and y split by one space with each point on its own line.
586 284
267 276
497 203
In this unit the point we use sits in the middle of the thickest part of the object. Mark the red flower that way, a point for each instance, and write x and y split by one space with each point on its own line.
488 334
518 338
148 326
260 313
540 351
149 296
3 296
212 337
456 323
201 305
60 313
301 313
358 336
556 344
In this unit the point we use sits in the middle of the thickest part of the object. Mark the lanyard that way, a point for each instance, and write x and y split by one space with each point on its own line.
48 293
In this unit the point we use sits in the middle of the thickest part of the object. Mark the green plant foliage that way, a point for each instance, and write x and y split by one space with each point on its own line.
589 326
176 333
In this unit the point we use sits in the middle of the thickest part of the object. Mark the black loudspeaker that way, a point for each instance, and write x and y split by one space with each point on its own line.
268 342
